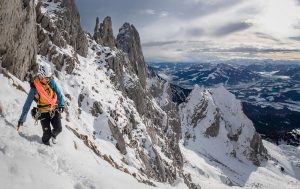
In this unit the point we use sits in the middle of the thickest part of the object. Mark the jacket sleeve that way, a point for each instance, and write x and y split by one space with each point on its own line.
58 92
27 104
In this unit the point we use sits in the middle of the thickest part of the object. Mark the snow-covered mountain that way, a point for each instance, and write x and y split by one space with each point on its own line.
121 128
269 91
216 116
189 74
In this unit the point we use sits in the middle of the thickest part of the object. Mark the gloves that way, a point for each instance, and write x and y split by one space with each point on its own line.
61 109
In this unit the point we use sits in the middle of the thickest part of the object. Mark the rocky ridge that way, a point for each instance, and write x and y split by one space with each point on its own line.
216 115
58 25
152 127
130 77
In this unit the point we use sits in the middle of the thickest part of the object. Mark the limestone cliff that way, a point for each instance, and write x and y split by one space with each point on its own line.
18 44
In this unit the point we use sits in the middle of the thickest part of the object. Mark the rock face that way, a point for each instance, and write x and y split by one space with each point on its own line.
117 135
103 33
59 25
18 46
162 92
71 28
97 34
130 75
216 117
152 126
128 64
128 40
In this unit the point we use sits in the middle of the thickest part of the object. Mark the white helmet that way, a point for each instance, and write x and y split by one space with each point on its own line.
45 70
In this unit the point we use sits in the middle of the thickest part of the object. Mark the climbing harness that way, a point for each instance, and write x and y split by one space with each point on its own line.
52 101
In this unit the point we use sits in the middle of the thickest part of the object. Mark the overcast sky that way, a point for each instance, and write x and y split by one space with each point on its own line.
197 30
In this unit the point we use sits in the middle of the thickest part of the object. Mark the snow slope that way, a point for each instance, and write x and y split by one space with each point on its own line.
26 163
221 158
86 156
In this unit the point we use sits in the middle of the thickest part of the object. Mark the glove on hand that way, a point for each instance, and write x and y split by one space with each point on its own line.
61 109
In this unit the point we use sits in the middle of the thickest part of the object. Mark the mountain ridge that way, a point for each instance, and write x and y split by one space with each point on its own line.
113 105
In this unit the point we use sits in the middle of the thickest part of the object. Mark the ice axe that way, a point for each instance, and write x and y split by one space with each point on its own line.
20 124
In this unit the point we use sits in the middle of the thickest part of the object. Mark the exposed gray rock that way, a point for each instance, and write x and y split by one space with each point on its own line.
116 64
128 40
234 136
161 168
70 63
97 34
57 60
148 169
58 39
258 151
80 99
138 95
188 181
103 33
161 91
213 129
117 135
199 112
18 43
71 25
66 27
134 123
97 108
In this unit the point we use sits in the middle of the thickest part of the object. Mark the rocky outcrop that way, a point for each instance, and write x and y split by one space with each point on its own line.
128 64
59 26
121 146
130 74
216 115
214 128
103 33
97 34
128 40
257 149
18 46
68 26
97 109
162 92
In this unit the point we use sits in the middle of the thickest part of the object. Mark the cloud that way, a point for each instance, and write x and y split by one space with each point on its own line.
153 12
266 36
149 11
158 43
195 32
129 11
231 28
199 29
259 50
163 13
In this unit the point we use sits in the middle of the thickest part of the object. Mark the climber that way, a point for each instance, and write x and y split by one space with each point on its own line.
50 104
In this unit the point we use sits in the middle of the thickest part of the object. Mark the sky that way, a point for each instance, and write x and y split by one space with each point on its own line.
204 30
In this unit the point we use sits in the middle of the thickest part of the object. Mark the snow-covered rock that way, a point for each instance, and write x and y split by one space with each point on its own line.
121 128
215 116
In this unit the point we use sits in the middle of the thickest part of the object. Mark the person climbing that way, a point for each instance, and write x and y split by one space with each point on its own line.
50 104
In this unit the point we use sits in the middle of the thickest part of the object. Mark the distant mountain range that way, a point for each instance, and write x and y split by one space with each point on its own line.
270 92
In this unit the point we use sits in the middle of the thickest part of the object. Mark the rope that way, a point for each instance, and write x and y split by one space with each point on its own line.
45 95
